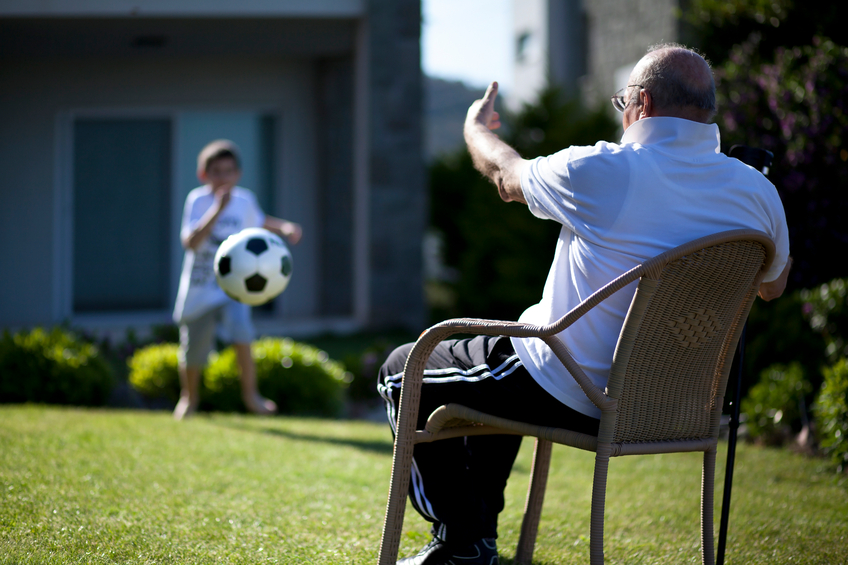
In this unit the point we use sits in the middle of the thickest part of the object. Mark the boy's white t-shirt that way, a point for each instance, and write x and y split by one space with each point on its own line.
199 291
667 183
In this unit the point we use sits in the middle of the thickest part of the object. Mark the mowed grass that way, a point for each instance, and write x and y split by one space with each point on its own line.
92 486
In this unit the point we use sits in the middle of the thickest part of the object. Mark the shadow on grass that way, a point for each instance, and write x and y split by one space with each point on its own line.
381 447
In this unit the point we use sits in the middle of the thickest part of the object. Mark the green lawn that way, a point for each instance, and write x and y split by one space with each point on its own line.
91 486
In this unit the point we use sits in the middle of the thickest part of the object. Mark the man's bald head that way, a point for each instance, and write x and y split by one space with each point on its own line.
680 82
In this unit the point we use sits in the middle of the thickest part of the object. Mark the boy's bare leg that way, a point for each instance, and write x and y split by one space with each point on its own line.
189 393
249 391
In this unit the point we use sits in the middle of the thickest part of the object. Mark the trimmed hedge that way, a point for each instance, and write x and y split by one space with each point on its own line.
54 367
299 378
153 371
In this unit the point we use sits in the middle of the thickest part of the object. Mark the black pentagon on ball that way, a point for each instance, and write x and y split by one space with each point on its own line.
286 268
224 267
257 245
255 283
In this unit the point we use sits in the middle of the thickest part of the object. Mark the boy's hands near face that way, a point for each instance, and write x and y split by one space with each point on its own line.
223 193
221 175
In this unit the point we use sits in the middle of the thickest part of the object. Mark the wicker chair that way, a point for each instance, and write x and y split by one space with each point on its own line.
665 390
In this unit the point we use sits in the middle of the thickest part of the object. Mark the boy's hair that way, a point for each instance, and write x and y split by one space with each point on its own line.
218 149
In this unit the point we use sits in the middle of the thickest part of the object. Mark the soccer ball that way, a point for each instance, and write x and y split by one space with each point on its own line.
253 266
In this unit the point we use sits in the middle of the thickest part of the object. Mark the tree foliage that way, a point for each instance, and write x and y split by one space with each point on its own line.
782 69
797 108
718 25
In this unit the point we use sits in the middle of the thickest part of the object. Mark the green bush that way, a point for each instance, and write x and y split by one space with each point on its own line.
826 308
778 333
54 367
153 371
364 367
831 413
299 378
805 327
362 354
775 403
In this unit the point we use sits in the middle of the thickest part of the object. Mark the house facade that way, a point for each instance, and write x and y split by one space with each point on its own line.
104 106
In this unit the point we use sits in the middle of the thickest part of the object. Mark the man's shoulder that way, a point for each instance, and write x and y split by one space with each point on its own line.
601 154
751 178
576 153
598 149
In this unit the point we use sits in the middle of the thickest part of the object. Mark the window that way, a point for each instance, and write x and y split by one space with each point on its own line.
121 214
522 46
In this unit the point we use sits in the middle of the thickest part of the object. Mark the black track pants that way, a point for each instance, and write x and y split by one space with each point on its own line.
458 483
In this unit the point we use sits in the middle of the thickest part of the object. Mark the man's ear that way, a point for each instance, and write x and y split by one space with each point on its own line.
647 104
202 176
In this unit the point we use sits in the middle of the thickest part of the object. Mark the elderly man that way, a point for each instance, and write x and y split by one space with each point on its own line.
666 183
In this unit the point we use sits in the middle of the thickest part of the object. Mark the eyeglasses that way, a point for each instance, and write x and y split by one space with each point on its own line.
618 98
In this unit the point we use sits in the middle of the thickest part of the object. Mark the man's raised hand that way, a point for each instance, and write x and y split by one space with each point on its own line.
483 111
498 162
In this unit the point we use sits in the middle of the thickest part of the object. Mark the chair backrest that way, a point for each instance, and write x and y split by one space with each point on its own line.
674 353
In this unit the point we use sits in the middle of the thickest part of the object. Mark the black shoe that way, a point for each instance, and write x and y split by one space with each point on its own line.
438 552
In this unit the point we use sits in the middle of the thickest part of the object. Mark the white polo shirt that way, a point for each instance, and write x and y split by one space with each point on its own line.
667 183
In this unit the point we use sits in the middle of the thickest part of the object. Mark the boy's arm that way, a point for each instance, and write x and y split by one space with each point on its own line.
289 230
204 227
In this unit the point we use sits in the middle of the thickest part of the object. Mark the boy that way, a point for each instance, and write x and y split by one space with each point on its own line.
212 213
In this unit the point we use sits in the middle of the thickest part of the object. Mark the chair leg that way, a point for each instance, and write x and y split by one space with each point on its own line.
396 505
599 492
707 501
535 498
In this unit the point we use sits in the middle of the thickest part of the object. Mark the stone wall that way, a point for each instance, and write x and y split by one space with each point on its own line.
619 35
398 199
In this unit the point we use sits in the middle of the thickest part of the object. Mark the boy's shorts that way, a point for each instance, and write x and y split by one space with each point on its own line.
231 319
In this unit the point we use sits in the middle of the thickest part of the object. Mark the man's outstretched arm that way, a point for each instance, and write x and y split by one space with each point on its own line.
499 162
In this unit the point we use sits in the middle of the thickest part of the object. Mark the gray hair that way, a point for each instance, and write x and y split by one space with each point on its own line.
676 78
